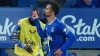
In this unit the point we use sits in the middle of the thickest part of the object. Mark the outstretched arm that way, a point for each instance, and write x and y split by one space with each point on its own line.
42 33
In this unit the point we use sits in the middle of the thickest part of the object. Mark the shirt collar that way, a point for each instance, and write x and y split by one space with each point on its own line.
52 21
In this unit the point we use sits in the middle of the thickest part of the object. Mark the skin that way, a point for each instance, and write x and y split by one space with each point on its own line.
35 14
87 1
50 14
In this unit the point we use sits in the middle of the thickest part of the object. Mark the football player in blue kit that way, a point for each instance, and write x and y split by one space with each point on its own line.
60 37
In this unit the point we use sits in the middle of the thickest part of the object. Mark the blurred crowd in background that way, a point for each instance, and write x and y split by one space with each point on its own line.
42 3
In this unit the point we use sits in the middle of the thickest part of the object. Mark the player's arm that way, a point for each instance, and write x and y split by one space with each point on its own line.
15 38
15 35
69 41
41 32
70 38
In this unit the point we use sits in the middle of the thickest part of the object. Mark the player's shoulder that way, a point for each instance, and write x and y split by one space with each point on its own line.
60 24
23 20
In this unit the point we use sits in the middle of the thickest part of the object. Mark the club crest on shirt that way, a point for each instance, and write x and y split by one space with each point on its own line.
52 29
66 30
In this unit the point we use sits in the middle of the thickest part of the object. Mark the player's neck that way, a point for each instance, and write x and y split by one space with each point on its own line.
50 19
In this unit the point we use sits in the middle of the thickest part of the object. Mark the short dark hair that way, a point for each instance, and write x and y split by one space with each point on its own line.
36 10
55 7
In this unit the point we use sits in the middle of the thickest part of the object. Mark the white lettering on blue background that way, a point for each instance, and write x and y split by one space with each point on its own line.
6 29
82 28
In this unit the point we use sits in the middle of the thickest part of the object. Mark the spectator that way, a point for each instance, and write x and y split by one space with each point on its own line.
83 4
96 3
68 3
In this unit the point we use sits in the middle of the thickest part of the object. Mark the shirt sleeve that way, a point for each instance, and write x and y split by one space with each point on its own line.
41 32
70 38
15 33
15 37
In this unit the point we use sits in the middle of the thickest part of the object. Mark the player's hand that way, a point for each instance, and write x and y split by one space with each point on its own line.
58 52
28 49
